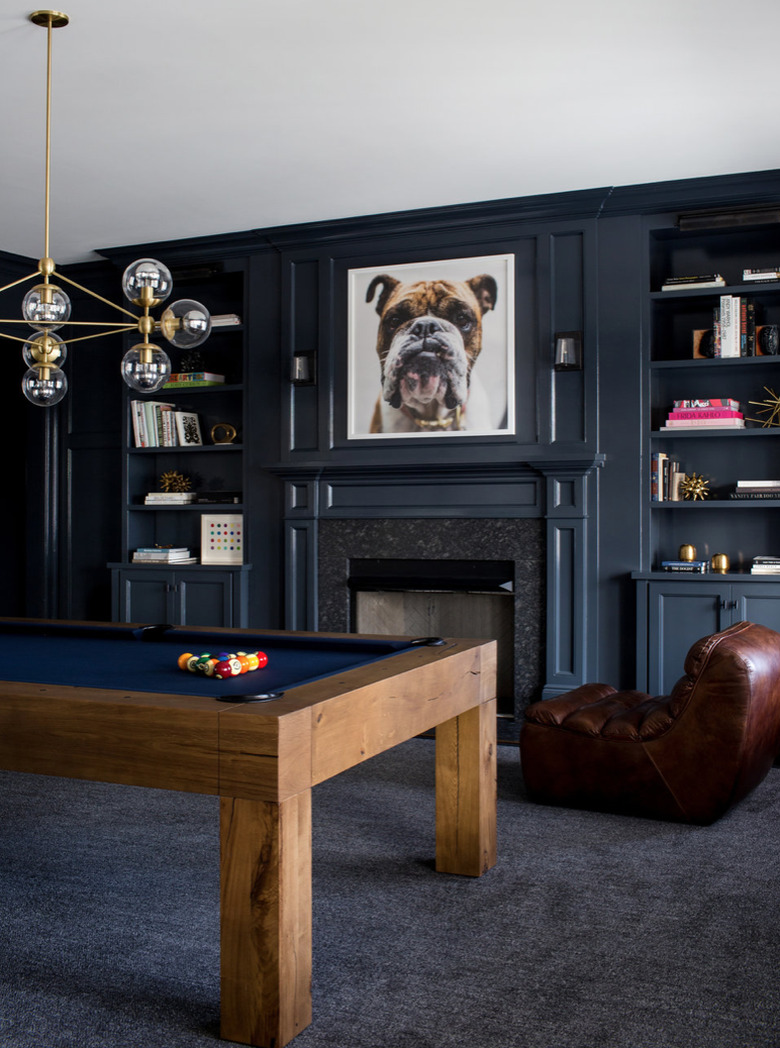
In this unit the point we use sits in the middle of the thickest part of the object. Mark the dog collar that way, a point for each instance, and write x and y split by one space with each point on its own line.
435 423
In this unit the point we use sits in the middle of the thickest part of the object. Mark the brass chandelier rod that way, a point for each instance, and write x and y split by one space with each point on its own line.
46 307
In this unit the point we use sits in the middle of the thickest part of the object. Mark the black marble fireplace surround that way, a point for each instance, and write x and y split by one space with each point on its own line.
537 516
437 541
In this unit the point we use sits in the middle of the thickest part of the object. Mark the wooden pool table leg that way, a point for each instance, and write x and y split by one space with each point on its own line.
466 792
265 919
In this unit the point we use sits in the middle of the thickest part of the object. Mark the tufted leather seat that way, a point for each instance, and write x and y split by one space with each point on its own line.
688 756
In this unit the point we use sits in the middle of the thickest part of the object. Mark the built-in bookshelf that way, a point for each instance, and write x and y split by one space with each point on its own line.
676 607
183 467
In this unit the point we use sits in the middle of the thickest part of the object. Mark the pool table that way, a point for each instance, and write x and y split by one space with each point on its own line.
108 702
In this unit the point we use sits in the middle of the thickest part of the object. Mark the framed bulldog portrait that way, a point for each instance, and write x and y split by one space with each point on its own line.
431 349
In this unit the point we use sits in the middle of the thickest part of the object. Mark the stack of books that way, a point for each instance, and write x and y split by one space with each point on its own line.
756 489
765 566
761 274
170 498
692 567
722 413
693 282
163 555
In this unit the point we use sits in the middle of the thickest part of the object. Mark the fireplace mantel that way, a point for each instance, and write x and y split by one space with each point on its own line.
560 491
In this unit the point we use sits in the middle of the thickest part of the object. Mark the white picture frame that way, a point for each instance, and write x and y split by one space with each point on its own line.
494 367
222 538
188 429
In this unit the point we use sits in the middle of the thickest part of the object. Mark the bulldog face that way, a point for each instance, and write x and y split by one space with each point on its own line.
430 334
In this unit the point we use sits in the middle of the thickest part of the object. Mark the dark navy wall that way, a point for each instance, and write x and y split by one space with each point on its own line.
575 461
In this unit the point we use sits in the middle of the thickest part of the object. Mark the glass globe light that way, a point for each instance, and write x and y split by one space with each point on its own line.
147 282
46 305
45 348
44 386
146 368
186 323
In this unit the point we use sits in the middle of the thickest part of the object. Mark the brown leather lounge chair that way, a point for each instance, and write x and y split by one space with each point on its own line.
688 756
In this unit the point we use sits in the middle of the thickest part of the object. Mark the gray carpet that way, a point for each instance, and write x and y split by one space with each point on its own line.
593 930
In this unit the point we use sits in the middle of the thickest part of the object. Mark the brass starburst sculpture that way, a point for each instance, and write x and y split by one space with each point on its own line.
174 481
769 407
695 487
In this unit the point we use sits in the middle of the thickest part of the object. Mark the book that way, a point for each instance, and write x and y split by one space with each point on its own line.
163 549
161 555
748 328
656 476
691 566
754 495
762 273
143 559
191 378
766 569
692 282
172 498
711 413
703 423
758 484
729 326
713 402
219 497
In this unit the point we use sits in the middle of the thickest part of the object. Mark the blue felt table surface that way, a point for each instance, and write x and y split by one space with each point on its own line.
116 656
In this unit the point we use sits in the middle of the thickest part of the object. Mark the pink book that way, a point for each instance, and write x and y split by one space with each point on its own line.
688 413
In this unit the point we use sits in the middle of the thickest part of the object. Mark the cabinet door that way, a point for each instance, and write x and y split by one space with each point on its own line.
759 604
204 599
144 596
679 614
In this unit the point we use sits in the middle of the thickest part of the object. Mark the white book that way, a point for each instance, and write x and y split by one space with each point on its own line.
729 326
139 423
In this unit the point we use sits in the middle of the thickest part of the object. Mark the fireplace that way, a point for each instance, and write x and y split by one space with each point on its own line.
456 577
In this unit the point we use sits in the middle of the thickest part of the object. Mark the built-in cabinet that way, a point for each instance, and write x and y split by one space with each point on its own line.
192 594
673 613
675 609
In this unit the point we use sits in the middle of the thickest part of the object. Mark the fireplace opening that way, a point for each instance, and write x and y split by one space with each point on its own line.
450 598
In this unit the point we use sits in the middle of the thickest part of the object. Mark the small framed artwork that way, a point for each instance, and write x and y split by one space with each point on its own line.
188 428
222 538
431 349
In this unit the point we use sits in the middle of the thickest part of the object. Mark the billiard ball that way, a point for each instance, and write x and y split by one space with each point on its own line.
223 669
183 659
262 659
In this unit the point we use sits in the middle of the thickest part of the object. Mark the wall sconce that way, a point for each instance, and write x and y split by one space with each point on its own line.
568 351
304 369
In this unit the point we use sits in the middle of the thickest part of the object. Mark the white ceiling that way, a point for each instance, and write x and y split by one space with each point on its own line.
179 118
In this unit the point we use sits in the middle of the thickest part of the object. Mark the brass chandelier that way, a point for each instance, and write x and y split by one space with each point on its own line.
46 307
